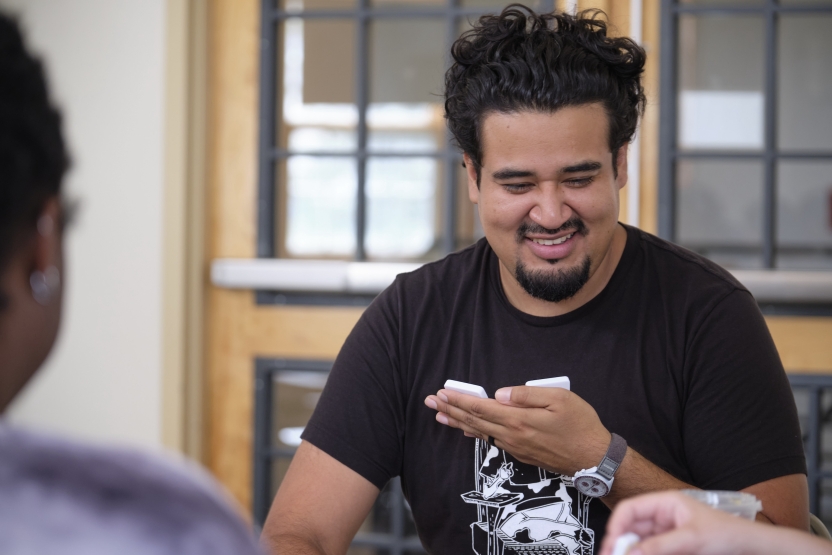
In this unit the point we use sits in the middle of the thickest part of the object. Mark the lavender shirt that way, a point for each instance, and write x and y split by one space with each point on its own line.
62 497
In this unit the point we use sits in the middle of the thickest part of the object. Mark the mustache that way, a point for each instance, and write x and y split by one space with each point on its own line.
572 224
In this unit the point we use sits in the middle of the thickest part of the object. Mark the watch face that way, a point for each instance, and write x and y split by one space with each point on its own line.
591 486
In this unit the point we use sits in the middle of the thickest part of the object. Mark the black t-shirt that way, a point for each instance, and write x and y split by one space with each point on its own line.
673 355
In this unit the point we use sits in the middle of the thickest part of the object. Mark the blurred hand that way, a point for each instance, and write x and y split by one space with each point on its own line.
670 523
550 428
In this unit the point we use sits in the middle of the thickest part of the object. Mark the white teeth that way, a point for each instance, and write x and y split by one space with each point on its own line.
549 242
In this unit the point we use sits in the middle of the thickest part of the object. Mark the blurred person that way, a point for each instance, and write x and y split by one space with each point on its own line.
675 379
671 523
58 496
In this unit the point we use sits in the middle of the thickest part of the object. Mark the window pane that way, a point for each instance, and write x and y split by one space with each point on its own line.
804 215
402 198
721 82
468 226
406 3
318 113
406 73
498 5
294 396
804 91
719 208
320 203
407 60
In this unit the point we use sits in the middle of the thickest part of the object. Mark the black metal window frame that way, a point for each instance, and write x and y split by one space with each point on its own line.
269 154
396 541
818 416
670 154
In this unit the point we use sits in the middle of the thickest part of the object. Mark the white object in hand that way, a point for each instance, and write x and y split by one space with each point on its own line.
466 388
624 543
561 382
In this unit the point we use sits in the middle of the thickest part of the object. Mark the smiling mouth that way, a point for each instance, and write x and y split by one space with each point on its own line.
550 242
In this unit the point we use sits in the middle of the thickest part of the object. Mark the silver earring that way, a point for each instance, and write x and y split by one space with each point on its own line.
45 284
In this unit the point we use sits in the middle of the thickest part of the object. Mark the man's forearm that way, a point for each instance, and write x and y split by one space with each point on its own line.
637 475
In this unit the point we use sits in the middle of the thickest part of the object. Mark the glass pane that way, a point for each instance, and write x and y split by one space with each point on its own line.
407 3
318 113
498 5
402 200
407 59
468 226
294 396
719 210
295 6
320 206
804 215
804 75
720 82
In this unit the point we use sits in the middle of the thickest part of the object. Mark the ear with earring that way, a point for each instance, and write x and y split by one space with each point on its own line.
45 284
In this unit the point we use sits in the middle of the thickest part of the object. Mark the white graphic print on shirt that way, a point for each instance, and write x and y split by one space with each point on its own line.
524 509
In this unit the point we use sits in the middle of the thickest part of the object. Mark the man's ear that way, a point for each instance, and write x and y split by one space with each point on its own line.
621 165
473 186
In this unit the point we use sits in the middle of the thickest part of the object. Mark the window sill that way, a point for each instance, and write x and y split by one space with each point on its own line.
336 276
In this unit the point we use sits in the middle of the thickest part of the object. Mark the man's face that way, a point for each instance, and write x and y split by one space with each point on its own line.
547 198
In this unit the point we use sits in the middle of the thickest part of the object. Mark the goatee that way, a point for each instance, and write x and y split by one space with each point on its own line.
562 284
553 287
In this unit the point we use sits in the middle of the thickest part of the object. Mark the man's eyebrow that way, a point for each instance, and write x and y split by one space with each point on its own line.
588 166
511 173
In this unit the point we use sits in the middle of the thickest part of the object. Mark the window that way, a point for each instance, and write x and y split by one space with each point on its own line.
746 131
355 161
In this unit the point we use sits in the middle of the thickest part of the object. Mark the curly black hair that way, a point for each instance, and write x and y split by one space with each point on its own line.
33 156
522 60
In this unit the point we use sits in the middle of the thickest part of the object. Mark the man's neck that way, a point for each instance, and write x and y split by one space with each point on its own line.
599 279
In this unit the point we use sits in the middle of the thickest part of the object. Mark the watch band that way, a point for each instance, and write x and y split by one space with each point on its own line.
612 459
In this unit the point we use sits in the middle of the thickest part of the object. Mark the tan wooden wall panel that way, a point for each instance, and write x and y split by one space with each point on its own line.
804 344
232 130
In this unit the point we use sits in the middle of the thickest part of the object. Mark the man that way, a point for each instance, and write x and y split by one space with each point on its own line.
675 380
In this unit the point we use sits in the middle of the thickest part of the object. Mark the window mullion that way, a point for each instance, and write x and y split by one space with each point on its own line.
667 123
361 99
770 119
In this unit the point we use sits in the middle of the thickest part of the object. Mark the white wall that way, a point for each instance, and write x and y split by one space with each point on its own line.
105 60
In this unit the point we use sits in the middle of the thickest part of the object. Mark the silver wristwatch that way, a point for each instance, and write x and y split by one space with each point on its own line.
597 481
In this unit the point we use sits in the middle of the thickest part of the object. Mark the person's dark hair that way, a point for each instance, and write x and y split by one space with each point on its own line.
522 60
33 157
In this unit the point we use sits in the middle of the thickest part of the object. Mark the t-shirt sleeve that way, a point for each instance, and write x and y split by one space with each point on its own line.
740 422
359 419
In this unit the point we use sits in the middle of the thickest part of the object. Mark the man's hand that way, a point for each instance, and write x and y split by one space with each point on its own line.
670 523
550 428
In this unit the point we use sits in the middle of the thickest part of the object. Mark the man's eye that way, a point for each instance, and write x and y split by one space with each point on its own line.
582 182
516 187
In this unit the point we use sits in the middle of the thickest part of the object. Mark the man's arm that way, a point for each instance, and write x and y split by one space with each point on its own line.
319 507
785 501
557 430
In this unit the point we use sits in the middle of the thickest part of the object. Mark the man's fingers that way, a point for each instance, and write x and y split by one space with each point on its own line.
443 418
531 397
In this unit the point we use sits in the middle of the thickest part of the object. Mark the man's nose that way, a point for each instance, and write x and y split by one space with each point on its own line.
550 208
